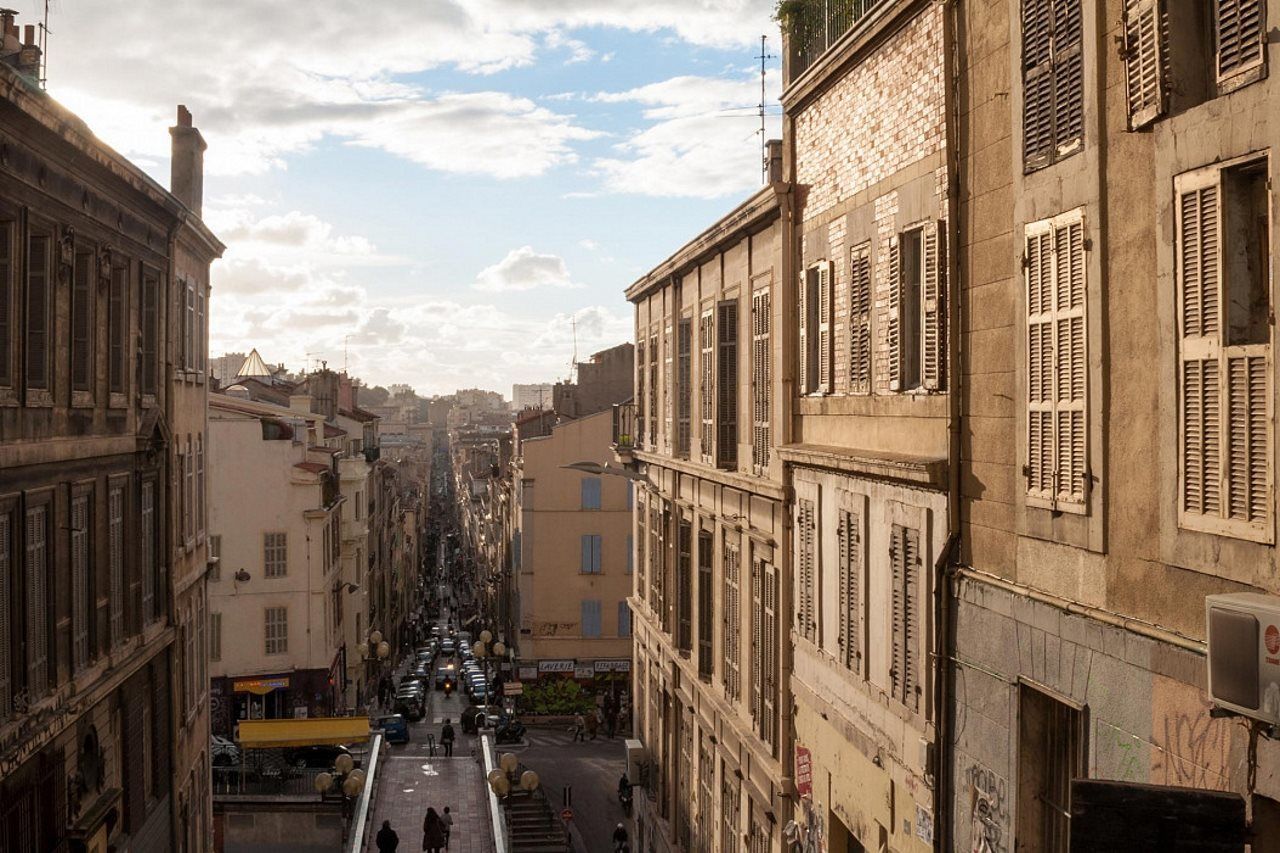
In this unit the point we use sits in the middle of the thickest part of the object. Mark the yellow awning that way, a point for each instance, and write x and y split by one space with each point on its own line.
315 731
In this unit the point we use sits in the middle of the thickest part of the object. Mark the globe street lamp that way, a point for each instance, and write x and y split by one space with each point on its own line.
484 648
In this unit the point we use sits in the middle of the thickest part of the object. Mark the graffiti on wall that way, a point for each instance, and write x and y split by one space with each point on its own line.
988 810
1193 749
815 840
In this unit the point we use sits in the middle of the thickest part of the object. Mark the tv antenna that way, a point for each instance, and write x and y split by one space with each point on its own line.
573 361
764 57
346 341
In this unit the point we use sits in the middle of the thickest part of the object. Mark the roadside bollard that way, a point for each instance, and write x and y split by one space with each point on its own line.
431 744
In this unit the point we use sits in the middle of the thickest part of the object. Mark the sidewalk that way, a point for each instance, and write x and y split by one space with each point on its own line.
410 780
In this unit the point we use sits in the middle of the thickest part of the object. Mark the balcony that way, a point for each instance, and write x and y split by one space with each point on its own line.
813 26
625 438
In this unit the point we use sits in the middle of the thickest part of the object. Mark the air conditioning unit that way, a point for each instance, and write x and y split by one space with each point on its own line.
1244 654
636 761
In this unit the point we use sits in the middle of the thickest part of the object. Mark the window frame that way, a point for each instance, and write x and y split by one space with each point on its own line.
39 392
275 631
1053 60
275 557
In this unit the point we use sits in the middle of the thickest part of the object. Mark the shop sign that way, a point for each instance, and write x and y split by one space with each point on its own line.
583 670
613 665
555 666
261 686
804 772
512 688
528 673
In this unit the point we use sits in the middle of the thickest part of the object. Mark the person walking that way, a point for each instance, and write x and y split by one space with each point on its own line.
432 832
611 720
447 820
446 738
387 839
579 728
593 722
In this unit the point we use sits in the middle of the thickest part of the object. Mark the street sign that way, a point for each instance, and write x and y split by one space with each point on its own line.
804 772
513 688
566 815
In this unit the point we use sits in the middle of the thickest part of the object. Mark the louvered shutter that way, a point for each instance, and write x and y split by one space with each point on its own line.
81 325
7 262
38 312
37 602
202 349
80 603
707 389
1071 365
148 549
893 337
805 622
642 366
727 387
586 554
897 655
1144 60
849 542
1248 428
802 299
824 302
760 379
757 638
6 637
1068 76
933 330
653 391
911 617
1239 27
115 561
1037 77
860 320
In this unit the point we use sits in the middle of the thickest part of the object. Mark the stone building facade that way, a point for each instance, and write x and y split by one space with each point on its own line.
711 695
100 602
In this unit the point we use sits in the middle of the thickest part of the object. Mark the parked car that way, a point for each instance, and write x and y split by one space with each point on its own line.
223 752
321 755
395 729
412 706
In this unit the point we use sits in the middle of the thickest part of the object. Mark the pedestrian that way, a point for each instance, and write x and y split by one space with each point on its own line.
446 738
432 832
579 727
593 722
447 819
387 838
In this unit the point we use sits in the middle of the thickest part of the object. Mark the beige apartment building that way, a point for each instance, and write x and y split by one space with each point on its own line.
571 551
276 606
866 133
711 693
1117 251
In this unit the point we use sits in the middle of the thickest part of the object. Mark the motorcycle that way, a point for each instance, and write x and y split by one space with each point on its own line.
448 688
509 732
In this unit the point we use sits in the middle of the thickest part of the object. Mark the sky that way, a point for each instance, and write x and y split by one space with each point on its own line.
439 192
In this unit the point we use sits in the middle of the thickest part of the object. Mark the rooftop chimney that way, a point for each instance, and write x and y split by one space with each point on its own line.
29 54
186 166
774 159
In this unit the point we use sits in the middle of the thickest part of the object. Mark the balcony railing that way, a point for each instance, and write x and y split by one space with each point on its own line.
813 26
624 426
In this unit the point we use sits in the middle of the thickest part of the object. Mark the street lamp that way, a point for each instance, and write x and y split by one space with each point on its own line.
484 648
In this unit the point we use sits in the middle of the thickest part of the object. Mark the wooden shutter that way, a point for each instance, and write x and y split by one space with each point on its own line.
7 263
202 350
1239 27
1037 82
911 617
824 301
893 338
116 329
653 391
585 565
38 311
757 638
81 322
1248 428
933 308
150 332
1068 76
707 385
115 551
768 729
805 621
802 299
897 612
860 319
727 386
849 543
148 548
81 605
761 379
6 636
641 405
37 577
1144 60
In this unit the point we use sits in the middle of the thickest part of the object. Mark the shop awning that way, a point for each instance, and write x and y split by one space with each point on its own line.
315 731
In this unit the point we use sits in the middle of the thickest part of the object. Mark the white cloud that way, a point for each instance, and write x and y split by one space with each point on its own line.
524 269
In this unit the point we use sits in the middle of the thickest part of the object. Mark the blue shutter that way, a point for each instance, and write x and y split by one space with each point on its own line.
591 493
590 618
630 553
631 495
596 542
587 550
624 619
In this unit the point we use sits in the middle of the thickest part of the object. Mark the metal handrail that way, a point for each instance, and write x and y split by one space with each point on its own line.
360 822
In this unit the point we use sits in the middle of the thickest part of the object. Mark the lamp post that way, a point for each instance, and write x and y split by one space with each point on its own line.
485 648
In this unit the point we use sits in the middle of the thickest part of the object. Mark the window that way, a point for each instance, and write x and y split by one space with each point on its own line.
727 385
653 391
630 553
656 559
202 349
916 309
591 493
1052 81
275 554
730 819
277 630
189 492
1144 56
6 584
200 495
37 582
150 575
189 674
39 305
806 570
187 294
761 379
115 561
684 379
591 618
215 557
1224 314
1057 466
117 328
860 319
707 382
764 649
641 541
202 647
815 328
641 406
8 267
684 585
215 636
706 605
150 332
591 544
732 638
81 590
1051 752
82 292
624 619
1239 31
849 544
668 386
904 563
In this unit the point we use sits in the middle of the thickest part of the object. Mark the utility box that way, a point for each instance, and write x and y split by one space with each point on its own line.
1244 654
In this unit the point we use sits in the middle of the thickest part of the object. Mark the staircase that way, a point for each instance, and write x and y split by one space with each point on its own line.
532 827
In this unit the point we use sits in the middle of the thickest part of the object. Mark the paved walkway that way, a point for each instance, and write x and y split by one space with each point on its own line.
410 780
